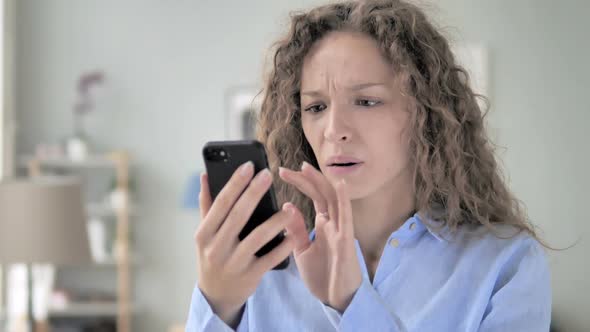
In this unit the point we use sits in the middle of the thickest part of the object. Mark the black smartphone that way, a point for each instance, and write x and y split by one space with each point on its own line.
222 158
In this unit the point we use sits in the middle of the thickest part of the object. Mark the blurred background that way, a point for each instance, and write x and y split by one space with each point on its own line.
125 93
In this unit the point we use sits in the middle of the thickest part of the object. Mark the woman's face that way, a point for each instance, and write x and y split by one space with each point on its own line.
353 114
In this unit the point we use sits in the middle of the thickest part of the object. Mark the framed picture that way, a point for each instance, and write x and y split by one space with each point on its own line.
242 107
474 58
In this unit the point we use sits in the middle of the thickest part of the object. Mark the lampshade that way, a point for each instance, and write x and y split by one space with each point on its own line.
42 220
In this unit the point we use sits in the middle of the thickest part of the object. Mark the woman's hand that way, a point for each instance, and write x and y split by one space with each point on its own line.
328 265
228 270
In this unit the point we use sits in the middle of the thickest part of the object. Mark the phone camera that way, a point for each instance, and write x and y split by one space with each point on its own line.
216 154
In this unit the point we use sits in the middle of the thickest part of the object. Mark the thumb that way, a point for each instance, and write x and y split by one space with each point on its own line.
296 229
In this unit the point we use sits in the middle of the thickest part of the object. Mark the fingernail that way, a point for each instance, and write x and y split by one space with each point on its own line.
288 207
246 168
304 164
264 175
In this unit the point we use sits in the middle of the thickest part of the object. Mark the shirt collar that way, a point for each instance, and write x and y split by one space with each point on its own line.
435 231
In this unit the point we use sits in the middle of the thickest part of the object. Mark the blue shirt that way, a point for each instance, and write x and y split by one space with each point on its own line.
425 281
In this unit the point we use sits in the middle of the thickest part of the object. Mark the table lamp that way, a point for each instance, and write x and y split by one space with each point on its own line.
42 220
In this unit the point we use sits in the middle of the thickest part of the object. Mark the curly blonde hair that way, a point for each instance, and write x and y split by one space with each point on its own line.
456 176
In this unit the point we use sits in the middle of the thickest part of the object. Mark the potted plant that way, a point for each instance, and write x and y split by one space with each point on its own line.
77 145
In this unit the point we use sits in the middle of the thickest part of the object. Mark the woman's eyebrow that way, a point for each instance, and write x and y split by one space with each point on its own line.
355 87
314 93
362 86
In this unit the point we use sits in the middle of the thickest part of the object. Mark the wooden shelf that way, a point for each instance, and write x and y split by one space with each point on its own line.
119 162
78 309
104 210
93 161
91 309
112 262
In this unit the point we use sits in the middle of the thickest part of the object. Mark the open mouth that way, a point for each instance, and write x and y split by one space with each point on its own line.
344 168
343 164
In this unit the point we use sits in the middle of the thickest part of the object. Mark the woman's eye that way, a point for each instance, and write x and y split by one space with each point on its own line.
316 108
367 102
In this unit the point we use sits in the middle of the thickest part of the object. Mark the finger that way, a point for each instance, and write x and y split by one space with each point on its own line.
265 263
204 196
305 186
323 227
226 199
345 222
324 186
262 234
296 230
244 207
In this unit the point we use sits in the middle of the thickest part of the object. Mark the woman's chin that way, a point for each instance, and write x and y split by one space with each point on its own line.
354 190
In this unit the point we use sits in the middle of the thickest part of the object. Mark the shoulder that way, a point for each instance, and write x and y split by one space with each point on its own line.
500 239
512 270
505 251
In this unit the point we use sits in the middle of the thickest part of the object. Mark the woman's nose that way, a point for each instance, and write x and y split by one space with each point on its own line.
337 126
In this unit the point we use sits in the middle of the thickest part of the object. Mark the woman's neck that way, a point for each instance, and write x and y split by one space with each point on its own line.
380 214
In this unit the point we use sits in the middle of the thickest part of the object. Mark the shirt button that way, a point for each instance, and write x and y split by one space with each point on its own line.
394 243
412 226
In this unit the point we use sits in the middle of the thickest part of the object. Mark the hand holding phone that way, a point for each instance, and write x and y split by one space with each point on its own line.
222 158
229 268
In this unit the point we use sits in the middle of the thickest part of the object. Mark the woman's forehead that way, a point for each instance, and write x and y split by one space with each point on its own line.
348 58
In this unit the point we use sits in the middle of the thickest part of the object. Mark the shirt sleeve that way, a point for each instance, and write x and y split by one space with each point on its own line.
366 312
521 299
201 317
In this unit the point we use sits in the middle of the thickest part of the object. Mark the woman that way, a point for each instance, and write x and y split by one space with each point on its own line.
412 227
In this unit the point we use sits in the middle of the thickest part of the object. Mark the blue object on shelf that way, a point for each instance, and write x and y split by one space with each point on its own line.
191 193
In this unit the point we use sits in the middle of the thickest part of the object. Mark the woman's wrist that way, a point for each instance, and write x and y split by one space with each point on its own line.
345 302
231 316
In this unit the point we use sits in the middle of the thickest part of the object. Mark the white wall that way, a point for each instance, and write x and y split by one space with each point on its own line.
6 87
540 73
2 107
1 139
168 64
